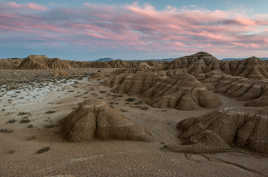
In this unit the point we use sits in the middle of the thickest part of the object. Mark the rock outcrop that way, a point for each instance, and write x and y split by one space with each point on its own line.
180 90
202 62
10 63
95 119
218 131
140 66
252 68
196 64
109 64
261 101
242 88
254 92
42 62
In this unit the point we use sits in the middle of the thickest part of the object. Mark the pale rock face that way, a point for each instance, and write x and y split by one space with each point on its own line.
96 120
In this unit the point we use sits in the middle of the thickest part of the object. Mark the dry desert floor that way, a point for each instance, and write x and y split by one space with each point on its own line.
31 144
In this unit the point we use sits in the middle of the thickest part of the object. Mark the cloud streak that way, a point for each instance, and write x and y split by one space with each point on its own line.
32 6
137 28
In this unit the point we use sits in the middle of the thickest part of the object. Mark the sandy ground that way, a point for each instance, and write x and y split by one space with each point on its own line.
30 116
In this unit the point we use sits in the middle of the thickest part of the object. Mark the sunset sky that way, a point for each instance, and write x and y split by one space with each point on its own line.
127 29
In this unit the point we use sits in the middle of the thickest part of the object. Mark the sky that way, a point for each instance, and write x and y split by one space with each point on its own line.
127 29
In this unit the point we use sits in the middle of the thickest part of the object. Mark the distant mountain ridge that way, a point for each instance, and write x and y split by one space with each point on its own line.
105 59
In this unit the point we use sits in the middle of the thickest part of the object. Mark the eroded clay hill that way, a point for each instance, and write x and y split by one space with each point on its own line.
110 64
219 131
42 62
9 63
196 64
180 90
201 63
129 66
253 91
119 64
252 68
142 66
96 120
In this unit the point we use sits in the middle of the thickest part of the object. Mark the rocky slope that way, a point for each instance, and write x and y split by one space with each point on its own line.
218 131
180 91
252 68
243 79
253 91
42 62
196 64
9 63
202 62
110 64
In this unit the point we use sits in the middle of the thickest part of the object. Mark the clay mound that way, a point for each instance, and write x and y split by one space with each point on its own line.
34 62
217 131
97 120
255 92
205 142
262 100
134 68
118 64
79 64
99 65
109 64
127 66
143 66
242 88
42 62
58 64
157 65
252 68
9 63
202 63
196 64
180 91
212 78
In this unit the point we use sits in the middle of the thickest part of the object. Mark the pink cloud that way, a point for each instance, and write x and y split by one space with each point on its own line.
31 5
141 28
14 5
36 7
